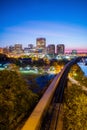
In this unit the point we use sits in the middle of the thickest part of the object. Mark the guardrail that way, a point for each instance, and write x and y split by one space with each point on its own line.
35 120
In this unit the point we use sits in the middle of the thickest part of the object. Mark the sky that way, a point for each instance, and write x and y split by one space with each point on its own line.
59 21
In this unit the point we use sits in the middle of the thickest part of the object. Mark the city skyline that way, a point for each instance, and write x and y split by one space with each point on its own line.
59 21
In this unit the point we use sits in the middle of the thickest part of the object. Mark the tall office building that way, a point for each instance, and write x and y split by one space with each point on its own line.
40 43
6 50
18 48
11 48
30 46
28 49
60 49
1 50
51 49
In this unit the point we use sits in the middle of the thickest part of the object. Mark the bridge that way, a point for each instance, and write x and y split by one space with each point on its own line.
52 97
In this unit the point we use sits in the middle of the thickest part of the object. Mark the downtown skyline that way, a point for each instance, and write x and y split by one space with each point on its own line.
59 21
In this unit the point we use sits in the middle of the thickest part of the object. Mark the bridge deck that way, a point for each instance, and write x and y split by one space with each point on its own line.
35 119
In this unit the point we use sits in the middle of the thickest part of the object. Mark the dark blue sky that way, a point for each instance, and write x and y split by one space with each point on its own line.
14 12
22 13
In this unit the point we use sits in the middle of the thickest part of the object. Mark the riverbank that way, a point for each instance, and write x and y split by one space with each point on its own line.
75 101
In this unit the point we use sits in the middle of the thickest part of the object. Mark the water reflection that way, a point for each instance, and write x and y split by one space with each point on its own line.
83 67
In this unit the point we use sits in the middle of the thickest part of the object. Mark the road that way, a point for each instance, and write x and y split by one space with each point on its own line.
77 83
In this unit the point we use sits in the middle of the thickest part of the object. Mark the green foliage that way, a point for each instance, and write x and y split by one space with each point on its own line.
15 99
75 69
3 57
75 109
84 81
78 75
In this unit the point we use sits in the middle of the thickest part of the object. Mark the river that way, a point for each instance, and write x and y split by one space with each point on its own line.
83 67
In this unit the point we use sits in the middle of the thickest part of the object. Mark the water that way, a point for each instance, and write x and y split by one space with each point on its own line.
83 67
43 80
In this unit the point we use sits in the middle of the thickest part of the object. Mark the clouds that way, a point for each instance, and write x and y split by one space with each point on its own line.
71 35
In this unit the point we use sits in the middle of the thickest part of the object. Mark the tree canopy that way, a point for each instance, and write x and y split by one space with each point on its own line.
75 109
15 99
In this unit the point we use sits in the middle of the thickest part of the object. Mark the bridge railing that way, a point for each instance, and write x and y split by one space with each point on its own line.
35 120
36 117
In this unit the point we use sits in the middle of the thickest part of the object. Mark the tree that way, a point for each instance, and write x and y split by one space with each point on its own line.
75 109
76 72
16 100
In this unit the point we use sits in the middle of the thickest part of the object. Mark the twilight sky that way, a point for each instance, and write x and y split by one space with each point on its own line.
59 21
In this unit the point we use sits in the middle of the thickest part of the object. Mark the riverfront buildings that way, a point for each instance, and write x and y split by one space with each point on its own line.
41 43
60 49
40 50
51 49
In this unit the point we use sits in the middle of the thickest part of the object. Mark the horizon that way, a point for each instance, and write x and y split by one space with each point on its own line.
59 21
67 50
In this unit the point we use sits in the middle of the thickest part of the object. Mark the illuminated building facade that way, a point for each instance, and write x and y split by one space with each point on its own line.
30 46
60 49
29 49
41 45
26 50
1 50
51 49
6 50
18 48
11 48
74 52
